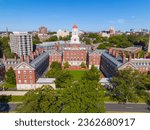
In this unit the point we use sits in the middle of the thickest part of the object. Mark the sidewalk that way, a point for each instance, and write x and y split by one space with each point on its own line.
13 93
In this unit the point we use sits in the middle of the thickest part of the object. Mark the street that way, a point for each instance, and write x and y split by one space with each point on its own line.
110 107
115 107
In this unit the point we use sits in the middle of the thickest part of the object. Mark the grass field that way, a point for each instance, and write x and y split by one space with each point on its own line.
11 98
77 74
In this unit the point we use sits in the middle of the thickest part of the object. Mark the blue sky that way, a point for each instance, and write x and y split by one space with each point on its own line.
89 15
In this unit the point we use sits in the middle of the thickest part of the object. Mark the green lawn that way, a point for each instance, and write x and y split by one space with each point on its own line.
11 98
77 74
6 85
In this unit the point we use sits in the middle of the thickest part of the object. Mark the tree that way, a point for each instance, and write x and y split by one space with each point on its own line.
66 65
41 100
52 38
36 39
55 65
120 41
54 71
63 78
83 97
83 65
93 74
10 76
5 48
128 86
78 97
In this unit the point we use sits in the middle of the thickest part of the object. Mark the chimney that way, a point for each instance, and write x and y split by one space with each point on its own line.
32 55
4 58
116 54
113 52
138 55
110 50
123 58
130 56
22 58
15 58
134 55
37 53
145 55
28 59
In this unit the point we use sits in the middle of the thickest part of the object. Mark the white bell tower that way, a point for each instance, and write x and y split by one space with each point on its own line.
75 37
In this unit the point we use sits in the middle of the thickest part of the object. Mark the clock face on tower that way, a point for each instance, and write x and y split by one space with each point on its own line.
74 39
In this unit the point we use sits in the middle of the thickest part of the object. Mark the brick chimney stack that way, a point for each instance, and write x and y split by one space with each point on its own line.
130 56
32 55
28 59
116 54
113 52
22 58
4 58
123 58
110 50
15 58
145 55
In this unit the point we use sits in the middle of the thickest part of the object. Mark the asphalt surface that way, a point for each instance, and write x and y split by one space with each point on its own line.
110 107
114 107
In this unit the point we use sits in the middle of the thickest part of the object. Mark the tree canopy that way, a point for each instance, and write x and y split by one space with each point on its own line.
128 85
10 76
77 97
93 74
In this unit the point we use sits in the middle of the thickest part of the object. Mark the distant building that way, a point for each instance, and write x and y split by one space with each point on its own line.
43 33
43 30
21 43
149 45
62 33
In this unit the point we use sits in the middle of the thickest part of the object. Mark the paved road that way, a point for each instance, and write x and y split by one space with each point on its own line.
110 107
114 107
13 93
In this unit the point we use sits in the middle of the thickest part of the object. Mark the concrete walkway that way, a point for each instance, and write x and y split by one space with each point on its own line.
13 93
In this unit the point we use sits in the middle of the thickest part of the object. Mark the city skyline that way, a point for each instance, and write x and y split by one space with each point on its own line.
89 15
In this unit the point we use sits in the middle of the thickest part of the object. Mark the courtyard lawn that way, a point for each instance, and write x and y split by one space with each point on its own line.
77 74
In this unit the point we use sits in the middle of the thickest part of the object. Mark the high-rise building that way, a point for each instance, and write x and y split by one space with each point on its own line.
149 45
21 43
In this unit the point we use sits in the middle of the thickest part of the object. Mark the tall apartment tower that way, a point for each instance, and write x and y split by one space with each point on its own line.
21 43
149 44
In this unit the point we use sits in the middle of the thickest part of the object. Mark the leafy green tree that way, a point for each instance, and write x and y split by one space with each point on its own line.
120 41
129 86
5 48
55 65
63 78
41 100
147 99
87 40
83 65
10 76
93 74
52 38
83 97
54 71
36 39
66 65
